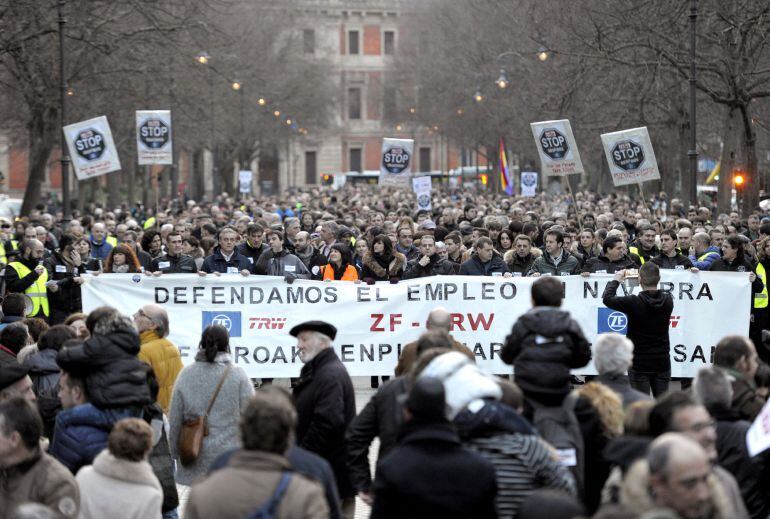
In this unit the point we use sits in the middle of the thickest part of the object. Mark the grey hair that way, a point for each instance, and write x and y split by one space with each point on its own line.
702 238
160 320
613 353
322 337
713 387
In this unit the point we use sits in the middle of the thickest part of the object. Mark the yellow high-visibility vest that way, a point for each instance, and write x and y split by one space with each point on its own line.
3 253
113 241
634 250
760 300
36 291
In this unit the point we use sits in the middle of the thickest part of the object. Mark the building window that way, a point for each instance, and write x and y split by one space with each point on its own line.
356 160
308 41
389 43
353 42
389 106
311 176
425 160
354 103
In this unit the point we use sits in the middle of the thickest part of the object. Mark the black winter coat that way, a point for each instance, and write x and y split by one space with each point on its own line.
114 376
544 344
325 407
216 262
649 316
67 299
602 264
252 253
381 417
519 265
474 266
678 262
751 474
436 267
45 374
430 474
160 457
168 264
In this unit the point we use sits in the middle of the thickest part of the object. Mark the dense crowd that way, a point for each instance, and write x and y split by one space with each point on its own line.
99 417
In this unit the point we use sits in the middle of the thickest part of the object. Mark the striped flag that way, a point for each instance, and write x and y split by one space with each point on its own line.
506 183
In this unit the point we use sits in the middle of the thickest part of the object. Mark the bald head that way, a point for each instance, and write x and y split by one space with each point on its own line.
439 320
701 241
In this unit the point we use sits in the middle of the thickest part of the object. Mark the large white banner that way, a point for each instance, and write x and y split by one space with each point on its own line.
375 322
91 147
154 144
557 148
630 156
396 163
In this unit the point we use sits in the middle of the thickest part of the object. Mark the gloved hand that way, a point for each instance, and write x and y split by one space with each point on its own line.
289 277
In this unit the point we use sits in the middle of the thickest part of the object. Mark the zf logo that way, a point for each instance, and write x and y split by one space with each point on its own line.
231 321
611 321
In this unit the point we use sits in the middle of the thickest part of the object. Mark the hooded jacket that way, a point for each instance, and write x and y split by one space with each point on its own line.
114 376
708 258
677 262
45 374
544 344
649 315
518 265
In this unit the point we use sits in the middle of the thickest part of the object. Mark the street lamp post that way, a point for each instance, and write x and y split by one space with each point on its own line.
692 153
237 85
63 92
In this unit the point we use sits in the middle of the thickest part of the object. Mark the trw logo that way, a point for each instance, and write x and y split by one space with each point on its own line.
267 323
675 320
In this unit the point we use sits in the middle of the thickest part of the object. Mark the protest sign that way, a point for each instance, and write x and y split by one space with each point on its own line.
153 137
376 321
91 147
422 189
557 148
396 163
244 179
758 435
630 156
528 183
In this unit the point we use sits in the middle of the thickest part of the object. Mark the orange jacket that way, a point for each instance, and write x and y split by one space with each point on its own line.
350 274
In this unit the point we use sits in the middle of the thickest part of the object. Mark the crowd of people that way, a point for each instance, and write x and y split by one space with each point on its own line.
99 417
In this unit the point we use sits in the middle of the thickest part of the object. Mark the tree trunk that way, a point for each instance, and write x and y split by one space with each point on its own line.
41 130
727 162
114 181
750 190
131 180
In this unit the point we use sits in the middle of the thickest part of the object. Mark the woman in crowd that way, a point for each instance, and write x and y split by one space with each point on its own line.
192 247
381 262
151 243
193 393
121 260
77 322
340 266
361 249
83 247
504 242
121 482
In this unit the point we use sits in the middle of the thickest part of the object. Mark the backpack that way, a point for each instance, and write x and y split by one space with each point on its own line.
559 427
269 510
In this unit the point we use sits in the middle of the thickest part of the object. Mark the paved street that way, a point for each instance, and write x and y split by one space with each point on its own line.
363 394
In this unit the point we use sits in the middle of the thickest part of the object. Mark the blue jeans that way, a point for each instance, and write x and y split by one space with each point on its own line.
645 381
171 514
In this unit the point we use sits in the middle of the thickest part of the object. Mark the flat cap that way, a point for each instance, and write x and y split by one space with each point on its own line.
315 326
11 373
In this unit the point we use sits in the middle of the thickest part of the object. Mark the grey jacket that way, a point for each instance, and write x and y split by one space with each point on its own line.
192 392
569 264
